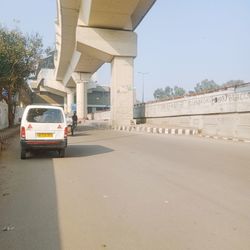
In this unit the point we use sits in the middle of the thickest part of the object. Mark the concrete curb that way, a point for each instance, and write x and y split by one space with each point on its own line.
96 126
154 130
176 131
5 135
215 137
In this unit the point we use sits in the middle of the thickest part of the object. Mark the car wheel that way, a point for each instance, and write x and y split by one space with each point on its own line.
23 153
62 153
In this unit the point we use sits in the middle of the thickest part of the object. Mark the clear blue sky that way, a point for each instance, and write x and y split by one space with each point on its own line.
179 42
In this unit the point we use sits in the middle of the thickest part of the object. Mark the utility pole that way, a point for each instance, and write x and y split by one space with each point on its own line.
143 74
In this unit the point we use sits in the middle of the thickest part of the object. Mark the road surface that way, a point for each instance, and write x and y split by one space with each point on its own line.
117 190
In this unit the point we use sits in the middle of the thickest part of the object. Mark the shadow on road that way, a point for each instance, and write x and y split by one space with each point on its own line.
86 150
30 210
78 134
42 154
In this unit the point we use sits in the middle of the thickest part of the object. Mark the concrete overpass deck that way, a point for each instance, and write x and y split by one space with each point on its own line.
90 33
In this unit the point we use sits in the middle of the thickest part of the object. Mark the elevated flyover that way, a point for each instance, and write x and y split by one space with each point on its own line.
90 33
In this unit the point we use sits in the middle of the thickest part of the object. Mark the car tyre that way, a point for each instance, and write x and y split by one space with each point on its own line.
23 153
62 153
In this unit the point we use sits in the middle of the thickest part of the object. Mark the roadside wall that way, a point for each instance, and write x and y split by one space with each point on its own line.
3 115
102 115
18 114
224 113
4 123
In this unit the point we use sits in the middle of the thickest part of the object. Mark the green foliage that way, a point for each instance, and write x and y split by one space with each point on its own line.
201 87
19 56
179 91
159 93
48 51
233 83
205 86
168 92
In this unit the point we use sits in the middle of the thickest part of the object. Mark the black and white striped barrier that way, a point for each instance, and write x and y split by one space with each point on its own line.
154 130
175 131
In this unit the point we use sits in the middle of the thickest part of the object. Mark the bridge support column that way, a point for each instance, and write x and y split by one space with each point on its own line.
70 101
81 100
65 104
120 48
122 90
81 94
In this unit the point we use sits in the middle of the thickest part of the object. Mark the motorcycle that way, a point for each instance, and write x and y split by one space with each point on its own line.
72 127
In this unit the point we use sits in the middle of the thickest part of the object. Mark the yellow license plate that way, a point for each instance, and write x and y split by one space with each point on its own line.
44 135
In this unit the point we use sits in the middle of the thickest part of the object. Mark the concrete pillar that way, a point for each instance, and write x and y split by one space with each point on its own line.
81 80
122 90
65 104
119 47
81 100
70 101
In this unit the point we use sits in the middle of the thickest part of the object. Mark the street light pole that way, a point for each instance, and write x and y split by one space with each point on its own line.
143 74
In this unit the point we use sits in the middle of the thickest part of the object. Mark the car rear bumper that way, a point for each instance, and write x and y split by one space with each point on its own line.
44 144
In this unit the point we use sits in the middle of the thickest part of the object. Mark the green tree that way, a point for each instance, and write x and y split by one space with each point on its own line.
19 57
48 51
205 85
168 92
178 91
233 83
159 94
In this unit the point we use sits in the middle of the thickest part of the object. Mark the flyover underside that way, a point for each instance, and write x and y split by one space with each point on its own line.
91 33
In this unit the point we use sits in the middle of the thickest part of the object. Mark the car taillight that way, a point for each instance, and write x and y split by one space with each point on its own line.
22 133
65 132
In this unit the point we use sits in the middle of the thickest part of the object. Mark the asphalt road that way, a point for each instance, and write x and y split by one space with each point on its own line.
128 191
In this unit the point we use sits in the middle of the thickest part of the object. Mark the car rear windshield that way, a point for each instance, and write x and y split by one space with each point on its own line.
45 115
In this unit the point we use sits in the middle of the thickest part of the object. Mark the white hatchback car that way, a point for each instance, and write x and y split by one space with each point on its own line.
43 127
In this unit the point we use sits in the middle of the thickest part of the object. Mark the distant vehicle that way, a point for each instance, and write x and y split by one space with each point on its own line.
71 123
43 127
73 126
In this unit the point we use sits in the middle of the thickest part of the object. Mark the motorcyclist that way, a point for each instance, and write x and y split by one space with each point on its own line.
74 123
74 119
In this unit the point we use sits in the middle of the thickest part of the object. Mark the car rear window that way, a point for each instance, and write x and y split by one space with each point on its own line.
45 115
